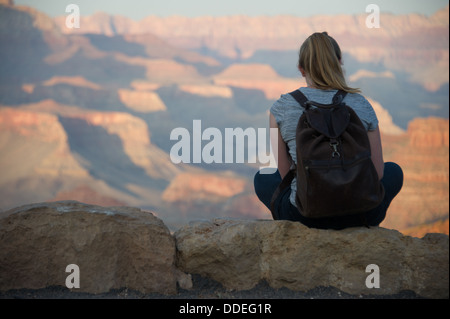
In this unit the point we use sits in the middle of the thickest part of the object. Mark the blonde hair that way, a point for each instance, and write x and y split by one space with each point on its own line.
320 57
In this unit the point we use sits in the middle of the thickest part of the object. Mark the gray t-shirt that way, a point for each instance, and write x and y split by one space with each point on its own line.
287 112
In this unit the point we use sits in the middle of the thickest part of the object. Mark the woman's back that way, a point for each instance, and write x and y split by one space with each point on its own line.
287 112
320 63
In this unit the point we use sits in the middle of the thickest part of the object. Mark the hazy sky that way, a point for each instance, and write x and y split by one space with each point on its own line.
138 9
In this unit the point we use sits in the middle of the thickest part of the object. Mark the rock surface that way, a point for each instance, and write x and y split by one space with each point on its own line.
127 248
113 248
240 254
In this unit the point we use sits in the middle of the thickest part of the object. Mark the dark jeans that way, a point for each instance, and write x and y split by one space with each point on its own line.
266 184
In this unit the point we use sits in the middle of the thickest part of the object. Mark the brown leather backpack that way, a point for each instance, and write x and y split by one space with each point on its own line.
335 173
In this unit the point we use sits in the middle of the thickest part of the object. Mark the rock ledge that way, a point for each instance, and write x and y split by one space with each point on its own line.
239 254
123 247
113 247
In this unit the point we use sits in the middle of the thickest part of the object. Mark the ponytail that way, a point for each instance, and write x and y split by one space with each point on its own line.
320 57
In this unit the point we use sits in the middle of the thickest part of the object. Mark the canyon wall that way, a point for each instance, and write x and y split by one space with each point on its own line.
88 115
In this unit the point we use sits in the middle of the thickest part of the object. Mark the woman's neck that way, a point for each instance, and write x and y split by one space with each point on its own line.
311 85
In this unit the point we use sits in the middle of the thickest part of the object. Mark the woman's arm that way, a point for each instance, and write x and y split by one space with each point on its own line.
377 151
280 149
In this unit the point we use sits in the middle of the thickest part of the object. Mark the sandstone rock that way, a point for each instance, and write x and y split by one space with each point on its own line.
133 136
114 247
140 101
257 76
164 71
239 254
429 132
423 154
186 187
207 90
41 134
248 71
72 80
7 2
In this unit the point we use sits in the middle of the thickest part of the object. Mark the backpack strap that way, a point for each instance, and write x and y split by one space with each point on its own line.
299 97
302 99
285 183
339 97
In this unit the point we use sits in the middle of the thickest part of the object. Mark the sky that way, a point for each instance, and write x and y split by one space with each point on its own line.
138 9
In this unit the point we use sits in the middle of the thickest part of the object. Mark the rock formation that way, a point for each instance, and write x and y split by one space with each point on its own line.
423 154
36 133
144 102
191 187
429 133
239 254
7 2
123 247
239 37
50 149
113 248
257 76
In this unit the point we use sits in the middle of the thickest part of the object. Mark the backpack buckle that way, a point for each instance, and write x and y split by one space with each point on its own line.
334 145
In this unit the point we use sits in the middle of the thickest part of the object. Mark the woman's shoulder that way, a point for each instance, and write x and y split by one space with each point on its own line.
284 101
287 99
285 107
363 108
357 97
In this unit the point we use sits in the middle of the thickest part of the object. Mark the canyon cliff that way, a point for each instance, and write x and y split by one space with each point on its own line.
86 114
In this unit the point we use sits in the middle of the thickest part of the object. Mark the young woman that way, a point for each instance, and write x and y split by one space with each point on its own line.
320 60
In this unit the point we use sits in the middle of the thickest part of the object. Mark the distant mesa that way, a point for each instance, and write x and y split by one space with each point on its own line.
412 38
141 101
248 71
429 133
7 2
192 187
207 90
72 80
257 76
164 71
369 74
423 153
